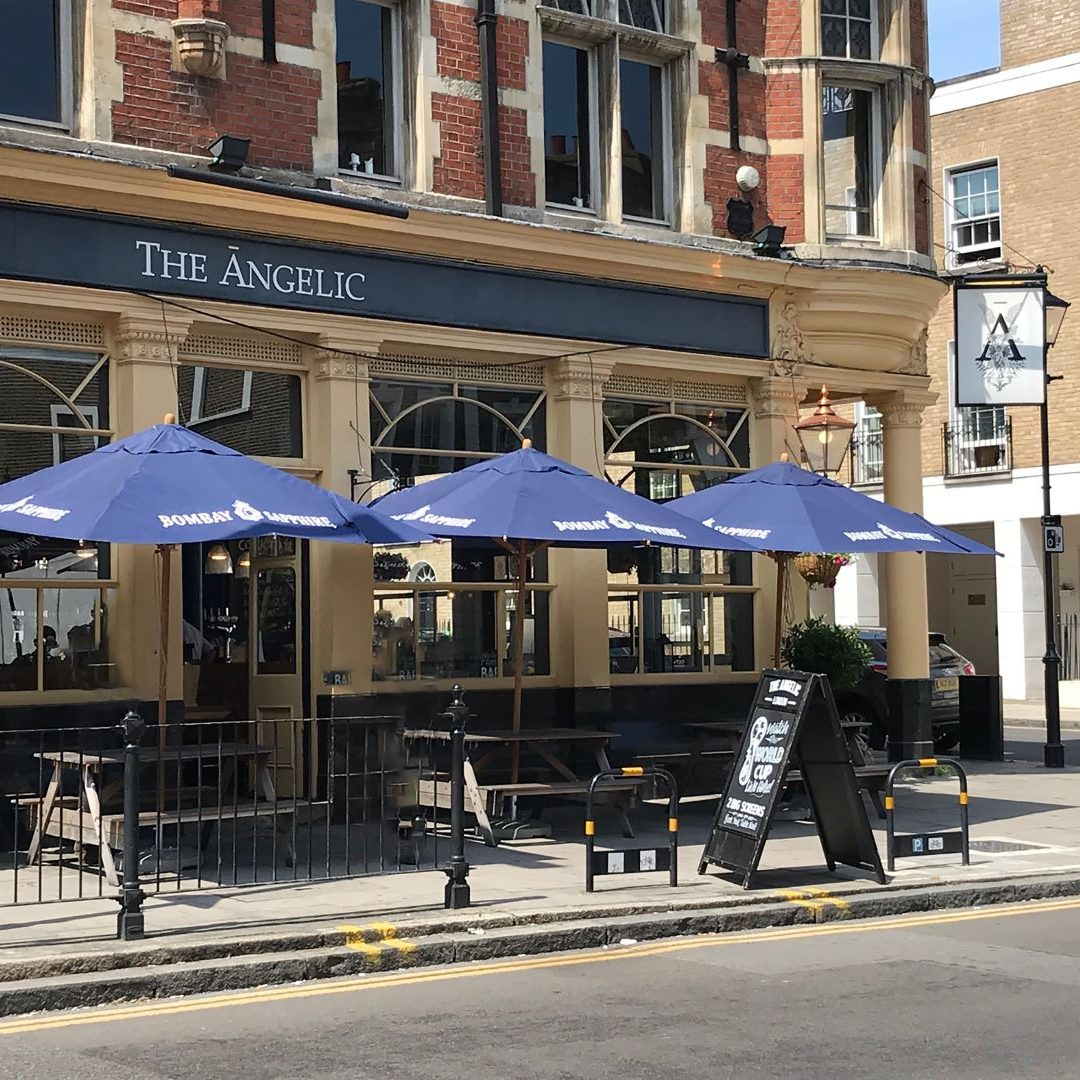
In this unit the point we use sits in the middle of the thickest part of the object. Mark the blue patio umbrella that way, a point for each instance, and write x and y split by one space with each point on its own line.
782 510
526 501
168 485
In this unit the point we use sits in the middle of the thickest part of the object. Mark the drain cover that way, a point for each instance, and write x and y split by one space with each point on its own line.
996 847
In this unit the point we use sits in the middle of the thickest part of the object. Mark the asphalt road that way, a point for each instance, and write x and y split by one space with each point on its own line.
1026 743
988 994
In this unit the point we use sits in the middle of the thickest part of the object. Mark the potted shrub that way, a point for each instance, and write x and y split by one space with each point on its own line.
821 569
834 651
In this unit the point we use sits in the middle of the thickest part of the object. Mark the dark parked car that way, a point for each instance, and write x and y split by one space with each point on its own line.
867 701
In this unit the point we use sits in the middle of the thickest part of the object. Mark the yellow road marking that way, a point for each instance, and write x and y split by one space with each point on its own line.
815 899
471 971
375 940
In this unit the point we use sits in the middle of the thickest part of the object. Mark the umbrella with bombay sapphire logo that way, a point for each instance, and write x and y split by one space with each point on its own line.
526 501
168 485
783 510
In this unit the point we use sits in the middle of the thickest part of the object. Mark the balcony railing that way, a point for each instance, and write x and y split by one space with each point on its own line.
867 456
978 444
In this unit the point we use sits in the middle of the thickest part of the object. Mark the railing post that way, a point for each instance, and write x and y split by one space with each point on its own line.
129 923
457 887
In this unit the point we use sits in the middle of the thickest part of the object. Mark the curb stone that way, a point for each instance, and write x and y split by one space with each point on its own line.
39 987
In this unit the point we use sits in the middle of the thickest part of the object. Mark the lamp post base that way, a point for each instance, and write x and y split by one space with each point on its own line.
1054 755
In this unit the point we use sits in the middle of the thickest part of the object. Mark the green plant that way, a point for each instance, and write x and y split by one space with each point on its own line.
835 651
390 566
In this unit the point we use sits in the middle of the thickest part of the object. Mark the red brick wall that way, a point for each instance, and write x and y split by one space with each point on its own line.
786 202
918 34
273 105
293 24
459 168
783 28
923 239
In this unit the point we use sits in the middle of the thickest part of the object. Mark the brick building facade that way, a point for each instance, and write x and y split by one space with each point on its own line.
1004 150
593 285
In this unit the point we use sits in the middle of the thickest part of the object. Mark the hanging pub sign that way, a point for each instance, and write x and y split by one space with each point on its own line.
1000 333
793 720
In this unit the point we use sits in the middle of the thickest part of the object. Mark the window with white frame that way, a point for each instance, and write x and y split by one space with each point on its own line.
369 88
35 77
977 436
569 152
868 446
975 212
851 161
848 29
643 101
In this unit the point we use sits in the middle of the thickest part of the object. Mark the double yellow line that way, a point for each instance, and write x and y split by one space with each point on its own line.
471 971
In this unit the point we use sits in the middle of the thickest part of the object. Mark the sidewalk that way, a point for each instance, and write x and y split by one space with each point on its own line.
1025 821
1033 714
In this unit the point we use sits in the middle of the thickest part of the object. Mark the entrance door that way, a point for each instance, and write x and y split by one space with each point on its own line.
277 655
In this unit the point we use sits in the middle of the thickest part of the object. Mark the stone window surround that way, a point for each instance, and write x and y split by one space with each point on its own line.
609 41
66 92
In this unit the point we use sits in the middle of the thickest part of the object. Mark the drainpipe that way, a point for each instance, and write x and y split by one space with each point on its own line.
269 31
486 22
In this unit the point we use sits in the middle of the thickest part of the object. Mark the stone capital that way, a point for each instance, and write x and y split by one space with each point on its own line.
777 396
147 339
337 356
903 410
580 377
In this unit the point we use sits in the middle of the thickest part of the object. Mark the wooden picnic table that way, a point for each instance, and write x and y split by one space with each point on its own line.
92 818
487 793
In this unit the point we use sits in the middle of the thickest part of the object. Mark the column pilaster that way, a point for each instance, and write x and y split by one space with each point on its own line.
143 373
579 605
339 434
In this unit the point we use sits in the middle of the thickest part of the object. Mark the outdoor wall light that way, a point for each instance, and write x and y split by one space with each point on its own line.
1056 309
229 152
770 240
218 560
824 437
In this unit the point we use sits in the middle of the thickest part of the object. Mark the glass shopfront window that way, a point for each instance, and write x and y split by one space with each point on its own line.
445 611
54 601
674 609
256 412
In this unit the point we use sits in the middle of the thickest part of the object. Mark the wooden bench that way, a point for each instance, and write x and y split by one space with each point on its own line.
488 800
870 778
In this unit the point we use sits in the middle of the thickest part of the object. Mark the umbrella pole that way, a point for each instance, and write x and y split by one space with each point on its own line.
781 584
165 550
521 562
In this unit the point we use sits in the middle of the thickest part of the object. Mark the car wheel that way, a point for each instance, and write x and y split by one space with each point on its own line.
946 741
854 711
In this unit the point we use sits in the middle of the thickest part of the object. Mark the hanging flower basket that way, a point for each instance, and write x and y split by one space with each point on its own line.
821 569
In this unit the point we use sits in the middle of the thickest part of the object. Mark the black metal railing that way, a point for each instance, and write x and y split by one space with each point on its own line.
1069 646
867 458
977 443
222 804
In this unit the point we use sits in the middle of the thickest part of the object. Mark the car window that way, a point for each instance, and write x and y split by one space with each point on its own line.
877 647
942 654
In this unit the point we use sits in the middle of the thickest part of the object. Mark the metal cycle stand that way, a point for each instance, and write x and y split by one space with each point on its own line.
944 842
632 860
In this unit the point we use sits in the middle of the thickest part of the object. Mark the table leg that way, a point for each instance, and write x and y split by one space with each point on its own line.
93 804
44 815
265 783
479 810
560 767
875 798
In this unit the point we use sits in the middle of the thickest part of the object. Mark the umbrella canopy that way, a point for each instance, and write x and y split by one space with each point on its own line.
784 508
169 485
528 497
527 500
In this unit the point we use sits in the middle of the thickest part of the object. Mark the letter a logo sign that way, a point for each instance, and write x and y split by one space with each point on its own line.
1000 359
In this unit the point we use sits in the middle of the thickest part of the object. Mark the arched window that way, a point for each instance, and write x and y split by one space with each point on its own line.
426 602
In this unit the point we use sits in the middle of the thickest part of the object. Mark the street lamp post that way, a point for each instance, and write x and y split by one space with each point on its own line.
1054 750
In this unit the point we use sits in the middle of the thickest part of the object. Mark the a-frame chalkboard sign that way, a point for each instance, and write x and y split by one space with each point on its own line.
793 721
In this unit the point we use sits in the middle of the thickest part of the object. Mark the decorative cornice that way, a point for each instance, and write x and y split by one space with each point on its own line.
788 349
579 377
146 341
917 359
330 364
776 396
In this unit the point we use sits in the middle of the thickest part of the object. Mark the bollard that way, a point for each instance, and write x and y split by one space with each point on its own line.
457 888
129 923
944 841
632 860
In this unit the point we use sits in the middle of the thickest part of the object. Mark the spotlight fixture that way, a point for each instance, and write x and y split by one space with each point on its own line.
770 240
229 154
